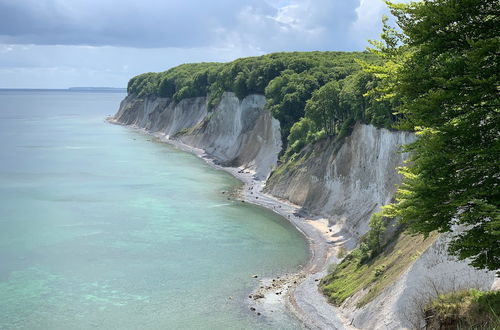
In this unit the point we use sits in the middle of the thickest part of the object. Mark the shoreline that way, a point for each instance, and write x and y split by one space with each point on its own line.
298 292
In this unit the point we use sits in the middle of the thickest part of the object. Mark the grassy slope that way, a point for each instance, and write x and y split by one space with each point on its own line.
351 276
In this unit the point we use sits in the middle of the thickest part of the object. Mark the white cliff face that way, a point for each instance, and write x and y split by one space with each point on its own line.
161 115
435 271
236 133
240 133
346 183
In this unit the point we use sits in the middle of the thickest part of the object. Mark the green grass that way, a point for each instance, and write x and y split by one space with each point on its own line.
352 276
467 309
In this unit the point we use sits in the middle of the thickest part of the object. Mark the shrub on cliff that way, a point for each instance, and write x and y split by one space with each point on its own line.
468 309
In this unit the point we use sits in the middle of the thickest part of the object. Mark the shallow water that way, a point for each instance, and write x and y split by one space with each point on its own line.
101 228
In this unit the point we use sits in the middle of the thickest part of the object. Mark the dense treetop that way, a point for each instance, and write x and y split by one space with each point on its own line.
443 68
311 93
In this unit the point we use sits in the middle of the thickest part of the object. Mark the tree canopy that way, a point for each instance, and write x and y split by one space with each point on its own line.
441 66
321 90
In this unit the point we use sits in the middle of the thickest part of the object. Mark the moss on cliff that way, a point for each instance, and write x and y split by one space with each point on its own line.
370 277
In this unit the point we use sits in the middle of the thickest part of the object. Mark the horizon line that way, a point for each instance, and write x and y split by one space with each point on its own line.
86 88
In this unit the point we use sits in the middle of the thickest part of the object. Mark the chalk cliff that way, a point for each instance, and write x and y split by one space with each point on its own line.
161 114
236 132
345 181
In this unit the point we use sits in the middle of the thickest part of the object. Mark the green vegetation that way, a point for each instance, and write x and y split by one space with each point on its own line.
468 309
442 68
181 82
364 269
440 71
313 94
375 264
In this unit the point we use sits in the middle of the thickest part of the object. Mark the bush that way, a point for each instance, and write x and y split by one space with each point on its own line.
377 228
467 309
342 253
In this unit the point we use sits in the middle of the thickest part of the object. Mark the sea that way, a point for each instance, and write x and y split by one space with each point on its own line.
102 227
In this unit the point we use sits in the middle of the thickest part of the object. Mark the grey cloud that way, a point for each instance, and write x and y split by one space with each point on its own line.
187 23
300 25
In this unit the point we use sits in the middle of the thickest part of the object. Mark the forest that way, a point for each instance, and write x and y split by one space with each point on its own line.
314 95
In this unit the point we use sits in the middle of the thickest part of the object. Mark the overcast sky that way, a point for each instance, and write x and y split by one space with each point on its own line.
64 43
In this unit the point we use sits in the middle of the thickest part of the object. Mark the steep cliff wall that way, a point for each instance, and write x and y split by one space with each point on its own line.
161 114
345 181
239 133
236 133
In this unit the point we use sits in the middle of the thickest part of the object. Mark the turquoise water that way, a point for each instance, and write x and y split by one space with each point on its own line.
101 228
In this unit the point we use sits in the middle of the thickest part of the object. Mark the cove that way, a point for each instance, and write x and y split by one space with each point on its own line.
101 227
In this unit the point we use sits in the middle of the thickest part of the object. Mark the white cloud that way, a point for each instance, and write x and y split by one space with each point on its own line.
369 20
288 15
6 48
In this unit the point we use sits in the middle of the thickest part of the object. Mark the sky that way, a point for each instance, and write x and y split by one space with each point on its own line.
74 43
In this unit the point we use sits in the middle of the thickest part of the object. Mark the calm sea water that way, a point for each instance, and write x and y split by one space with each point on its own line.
101 228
